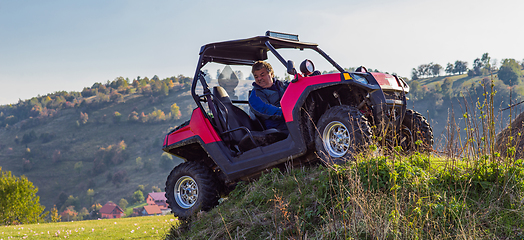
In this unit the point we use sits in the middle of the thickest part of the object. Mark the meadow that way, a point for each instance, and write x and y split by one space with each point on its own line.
151 227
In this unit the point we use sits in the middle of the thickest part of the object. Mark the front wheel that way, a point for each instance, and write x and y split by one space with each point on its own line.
343 131
418 132
191 187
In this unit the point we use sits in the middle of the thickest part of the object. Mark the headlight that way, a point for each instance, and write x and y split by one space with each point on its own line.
360 79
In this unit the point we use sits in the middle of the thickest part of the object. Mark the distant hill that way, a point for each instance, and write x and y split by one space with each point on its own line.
446 99
67 143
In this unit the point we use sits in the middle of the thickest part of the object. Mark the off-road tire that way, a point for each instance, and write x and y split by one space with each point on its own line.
343 132
420 130
191 187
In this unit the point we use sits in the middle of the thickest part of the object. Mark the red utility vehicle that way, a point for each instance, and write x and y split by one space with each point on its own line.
330 117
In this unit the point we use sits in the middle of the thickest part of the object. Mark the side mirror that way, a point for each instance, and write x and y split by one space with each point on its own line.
291 67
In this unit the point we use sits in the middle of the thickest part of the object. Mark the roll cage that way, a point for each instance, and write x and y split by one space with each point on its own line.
247 52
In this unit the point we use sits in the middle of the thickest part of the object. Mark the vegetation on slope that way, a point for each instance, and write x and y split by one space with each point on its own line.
96 146
416 197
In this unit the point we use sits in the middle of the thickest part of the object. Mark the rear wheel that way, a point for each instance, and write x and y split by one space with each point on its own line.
343 131
191 187
418 133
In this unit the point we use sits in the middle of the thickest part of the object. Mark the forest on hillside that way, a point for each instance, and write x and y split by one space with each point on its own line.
32 112
448 100
78 149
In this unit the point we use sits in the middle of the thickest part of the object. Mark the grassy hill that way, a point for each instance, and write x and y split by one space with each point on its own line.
392 197
52 162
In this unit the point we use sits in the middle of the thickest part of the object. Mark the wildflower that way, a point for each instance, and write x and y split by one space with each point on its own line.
132 231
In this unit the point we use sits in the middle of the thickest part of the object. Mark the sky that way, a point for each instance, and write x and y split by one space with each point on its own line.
63 45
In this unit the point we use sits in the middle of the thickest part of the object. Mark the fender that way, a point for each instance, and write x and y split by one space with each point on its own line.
198 126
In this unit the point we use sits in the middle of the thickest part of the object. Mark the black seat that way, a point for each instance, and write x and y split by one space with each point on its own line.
240 129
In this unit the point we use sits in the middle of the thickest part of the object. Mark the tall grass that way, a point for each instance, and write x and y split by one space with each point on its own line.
472 191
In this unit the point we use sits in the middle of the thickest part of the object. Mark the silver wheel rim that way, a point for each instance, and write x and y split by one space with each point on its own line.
186 192
336 139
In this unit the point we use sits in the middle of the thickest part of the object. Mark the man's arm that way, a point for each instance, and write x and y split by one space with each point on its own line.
262 108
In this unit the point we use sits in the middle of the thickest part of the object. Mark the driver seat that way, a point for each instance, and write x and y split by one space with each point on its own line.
240 130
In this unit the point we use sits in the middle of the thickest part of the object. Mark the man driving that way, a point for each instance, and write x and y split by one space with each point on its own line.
265 96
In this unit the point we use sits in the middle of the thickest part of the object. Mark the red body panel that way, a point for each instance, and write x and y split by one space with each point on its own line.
294 90
385 79
198 126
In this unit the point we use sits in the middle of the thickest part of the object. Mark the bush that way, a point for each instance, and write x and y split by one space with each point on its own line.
117 117
138 196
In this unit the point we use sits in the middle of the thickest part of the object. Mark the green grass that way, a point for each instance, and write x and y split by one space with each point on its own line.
153 227
416 197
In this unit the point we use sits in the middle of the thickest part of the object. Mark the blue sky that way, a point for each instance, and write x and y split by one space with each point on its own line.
48 46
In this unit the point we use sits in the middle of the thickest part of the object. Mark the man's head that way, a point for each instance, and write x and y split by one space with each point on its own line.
263 73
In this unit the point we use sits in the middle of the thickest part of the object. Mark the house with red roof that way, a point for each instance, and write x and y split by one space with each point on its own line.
150 210
111 210
158 199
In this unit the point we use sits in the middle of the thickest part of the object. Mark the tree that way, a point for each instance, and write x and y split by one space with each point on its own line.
138 196
175 111
164 89
447 87
486 61
415 89
414 74
423 70
166 161
477 68
83 118
435 69
123 203
71 201
449 69
55 217
19 203
61 199
117 117
460 67
83 214
95 211
133 117
69 214
509 72
139 163
90 195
